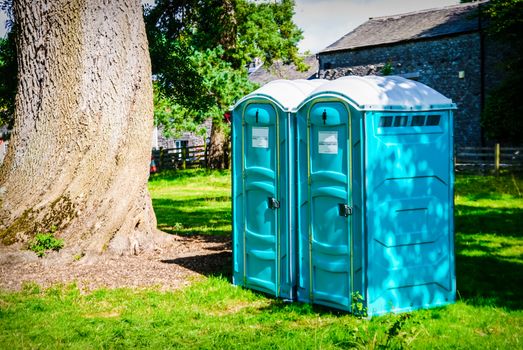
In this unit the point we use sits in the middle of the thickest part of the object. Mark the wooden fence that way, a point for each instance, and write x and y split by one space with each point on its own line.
179 158
484 159
466 159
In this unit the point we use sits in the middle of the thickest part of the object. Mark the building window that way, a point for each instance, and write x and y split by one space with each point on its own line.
418 120
327 65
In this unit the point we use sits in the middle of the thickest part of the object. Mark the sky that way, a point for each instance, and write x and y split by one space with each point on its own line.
325 21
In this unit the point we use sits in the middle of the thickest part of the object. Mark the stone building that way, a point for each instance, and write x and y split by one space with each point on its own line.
444 48
279 70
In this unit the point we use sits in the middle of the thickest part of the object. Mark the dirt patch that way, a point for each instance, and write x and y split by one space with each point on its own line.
175 265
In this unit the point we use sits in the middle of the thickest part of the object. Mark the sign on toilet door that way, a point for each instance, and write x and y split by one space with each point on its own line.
260 137
328 142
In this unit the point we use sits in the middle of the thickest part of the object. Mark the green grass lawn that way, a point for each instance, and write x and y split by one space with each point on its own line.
489 240
213 314
192 202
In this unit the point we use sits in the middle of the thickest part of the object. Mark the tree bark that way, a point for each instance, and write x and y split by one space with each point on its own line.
79 154
218 148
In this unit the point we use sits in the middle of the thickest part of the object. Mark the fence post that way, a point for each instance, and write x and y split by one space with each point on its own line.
205 154
184 155
497 156
160 159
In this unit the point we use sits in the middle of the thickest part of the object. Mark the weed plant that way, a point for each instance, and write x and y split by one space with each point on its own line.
44 242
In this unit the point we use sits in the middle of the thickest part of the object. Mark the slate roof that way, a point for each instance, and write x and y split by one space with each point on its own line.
278 70
411 26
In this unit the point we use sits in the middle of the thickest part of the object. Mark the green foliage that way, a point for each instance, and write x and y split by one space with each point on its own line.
175 118
176 76
358 307
266 30
387 69
505 19
44 242
8 82
501 116
222 85
199 52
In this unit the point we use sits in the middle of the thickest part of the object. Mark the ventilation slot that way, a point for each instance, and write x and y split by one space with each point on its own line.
433 120
385 122
401 120
418 120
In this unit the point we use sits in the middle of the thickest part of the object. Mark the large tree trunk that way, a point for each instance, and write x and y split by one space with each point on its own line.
79 154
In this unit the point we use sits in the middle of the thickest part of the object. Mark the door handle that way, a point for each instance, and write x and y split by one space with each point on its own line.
344 209
273 203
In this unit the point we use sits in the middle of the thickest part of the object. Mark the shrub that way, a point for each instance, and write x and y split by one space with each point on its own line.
44 242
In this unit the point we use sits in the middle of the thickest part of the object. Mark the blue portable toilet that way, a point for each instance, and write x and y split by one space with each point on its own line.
263 169
375 195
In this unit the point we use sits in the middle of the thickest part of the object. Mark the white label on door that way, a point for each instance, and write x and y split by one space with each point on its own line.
260 137
328 142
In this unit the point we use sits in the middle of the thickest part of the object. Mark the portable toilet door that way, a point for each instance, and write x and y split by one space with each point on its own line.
262 187
325 202
375 195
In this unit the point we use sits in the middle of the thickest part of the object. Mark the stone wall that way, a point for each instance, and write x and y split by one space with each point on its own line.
450 65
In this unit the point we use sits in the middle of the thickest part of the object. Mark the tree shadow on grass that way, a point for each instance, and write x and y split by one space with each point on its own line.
489 268
206 219
212 257
489 281
213 264
484 275
207 216
499 221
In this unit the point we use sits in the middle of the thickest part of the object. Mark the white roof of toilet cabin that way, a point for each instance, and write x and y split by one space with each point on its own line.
385 93
288 94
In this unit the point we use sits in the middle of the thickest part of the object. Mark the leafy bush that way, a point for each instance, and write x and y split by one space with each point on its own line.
387 69
44 242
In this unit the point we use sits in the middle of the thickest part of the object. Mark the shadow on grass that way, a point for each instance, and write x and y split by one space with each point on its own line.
214 264
486 280
208 216
488 187
301 308
489 270
499 221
